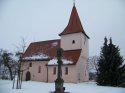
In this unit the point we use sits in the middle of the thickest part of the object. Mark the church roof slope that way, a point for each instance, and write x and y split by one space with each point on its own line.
42 50
74 24
72 55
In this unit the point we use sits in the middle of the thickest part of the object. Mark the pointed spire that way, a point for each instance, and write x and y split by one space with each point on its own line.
74 2
74 24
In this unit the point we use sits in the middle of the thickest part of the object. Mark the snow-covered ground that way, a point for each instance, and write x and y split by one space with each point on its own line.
41 87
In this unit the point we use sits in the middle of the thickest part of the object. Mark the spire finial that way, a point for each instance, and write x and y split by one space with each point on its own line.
74 2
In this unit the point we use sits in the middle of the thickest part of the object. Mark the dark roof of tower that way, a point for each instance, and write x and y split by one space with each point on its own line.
74 24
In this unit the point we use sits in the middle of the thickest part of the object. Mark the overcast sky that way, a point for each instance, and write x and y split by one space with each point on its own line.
39 20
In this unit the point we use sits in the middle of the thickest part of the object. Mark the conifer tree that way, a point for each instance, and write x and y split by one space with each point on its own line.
109 65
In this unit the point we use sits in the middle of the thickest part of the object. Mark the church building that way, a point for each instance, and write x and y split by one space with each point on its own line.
40 63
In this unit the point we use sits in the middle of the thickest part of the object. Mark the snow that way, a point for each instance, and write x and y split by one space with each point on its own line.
92 71
36 57
54 43
42 87
54 62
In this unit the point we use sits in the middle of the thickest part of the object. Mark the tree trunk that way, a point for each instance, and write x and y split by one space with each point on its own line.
14 79
11 75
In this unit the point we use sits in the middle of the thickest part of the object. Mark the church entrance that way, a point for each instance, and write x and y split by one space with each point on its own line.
28 76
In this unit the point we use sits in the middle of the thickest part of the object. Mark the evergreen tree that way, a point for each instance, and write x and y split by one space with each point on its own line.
110 66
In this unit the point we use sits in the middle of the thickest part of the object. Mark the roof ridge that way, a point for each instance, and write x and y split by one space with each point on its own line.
46 41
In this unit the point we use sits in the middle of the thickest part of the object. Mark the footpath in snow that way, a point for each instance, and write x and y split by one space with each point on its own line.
41 87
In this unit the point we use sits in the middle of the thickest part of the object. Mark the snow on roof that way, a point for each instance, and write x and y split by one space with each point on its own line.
48 48
54 43
36 57
54 62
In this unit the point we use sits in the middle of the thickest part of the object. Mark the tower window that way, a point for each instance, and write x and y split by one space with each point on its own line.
73 42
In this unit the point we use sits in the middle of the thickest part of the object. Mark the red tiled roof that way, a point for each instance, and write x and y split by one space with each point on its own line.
74 25
72 55
49 48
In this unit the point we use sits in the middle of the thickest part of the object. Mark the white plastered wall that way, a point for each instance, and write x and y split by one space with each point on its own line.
66 41
82 64
35 76
69 78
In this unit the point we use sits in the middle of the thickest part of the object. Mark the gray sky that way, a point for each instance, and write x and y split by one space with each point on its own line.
39 20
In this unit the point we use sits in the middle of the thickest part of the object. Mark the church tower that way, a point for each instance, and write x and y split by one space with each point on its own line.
74 38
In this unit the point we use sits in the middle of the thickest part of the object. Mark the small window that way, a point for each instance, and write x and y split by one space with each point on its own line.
73 42
30 64
54 70
39 69
66 70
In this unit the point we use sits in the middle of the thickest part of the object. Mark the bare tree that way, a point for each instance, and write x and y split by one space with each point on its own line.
19 53
93 60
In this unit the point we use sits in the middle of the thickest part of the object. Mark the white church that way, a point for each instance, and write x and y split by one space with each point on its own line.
40 63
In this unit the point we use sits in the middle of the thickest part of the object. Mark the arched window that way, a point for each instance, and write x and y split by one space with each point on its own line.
54 70
66 70
30 64
39 69
73 41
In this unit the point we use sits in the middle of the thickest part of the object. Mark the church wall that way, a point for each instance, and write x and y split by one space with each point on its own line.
24 67
69 78
82 64
51 75
72 74
82 69
36 75
67 41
